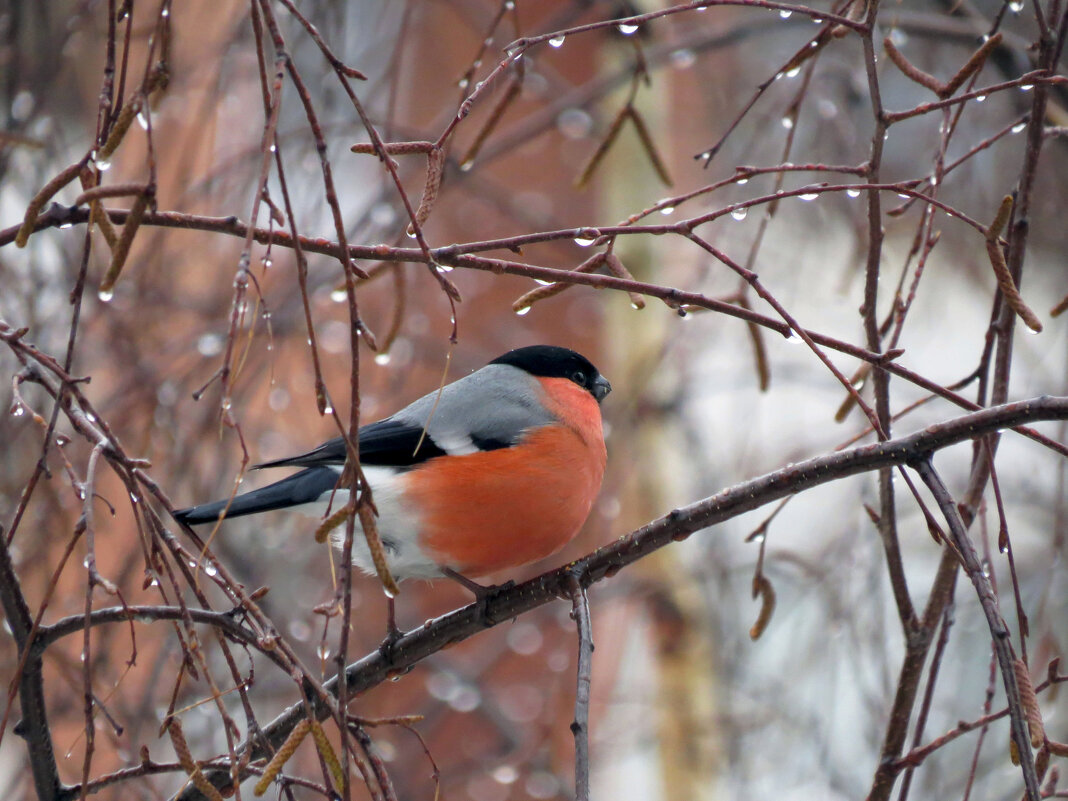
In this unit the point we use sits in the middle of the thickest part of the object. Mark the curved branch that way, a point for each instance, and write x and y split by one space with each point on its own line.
226 621
679 524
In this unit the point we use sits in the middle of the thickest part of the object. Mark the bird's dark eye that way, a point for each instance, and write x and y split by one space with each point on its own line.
579 378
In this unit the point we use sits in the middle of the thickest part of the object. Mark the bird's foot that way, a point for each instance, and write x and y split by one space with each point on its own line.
393 634
388 643
483 593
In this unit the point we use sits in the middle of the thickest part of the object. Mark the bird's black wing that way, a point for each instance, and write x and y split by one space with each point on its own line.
392 443
388 443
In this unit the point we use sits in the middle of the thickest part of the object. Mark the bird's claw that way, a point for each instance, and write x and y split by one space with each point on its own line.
385 648
483 594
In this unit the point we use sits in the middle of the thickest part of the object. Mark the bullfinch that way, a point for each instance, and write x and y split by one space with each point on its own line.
495 470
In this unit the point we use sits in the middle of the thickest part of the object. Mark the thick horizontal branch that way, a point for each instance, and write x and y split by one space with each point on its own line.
679 524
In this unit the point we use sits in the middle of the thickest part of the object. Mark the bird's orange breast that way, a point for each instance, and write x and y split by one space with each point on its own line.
488 511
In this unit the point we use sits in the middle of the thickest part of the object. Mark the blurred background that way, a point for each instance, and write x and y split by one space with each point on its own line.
685 704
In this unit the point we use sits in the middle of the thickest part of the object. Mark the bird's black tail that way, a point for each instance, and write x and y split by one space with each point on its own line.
307 486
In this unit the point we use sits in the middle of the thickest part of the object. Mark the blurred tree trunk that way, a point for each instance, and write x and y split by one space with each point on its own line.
684 703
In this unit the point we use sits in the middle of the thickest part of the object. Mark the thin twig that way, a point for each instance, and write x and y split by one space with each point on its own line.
580 726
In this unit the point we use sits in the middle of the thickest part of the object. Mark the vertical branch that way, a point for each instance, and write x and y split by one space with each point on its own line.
580 727
998 630
241 280
880 378
929 690
918 643
34 724
1020 227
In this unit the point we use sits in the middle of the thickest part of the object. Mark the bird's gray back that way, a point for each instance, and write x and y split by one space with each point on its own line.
494 405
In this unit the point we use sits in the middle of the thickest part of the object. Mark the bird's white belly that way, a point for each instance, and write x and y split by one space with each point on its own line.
398 527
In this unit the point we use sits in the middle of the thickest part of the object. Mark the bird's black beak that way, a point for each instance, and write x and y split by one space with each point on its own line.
600 388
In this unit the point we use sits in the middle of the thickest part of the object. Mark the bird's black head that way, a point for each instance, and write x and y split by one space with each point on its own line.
549 361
